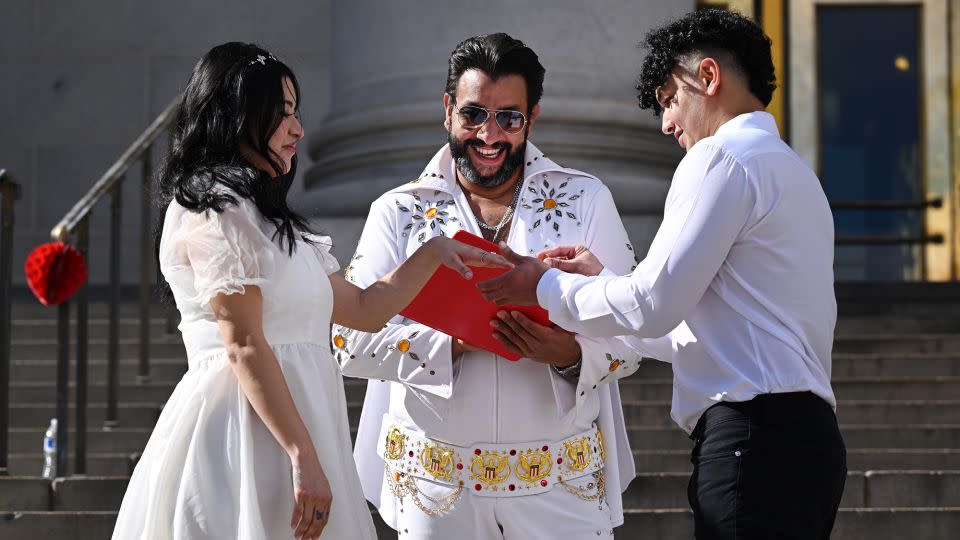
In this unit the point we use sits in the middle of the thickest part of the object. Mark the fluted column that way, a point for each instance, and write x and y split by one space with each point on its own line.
388 75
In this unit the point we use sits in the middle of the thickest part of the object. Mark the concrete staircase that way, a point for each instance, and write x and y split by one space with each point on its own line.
896 376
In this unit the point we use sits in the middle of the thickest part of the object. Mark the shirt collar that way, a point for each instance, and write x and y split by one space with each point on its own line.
751 120
439 172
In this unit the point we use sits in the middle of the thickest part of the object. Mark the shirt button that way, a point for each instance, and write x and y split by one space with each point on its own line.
737 453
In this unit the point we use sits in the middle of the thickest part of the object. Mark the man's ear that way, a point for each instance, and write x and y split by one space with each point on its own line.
534 113
447 110
708 73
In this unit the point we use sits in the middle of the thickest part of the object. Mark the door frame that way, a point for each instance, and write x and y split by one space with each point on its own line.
938 111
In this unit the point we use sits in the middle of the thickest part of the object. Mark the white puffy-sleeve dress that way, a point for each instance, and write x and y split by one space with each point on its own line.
211 468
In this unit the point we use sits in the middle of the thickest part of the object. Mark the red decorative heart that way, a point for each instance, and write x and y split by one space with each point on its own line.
55 272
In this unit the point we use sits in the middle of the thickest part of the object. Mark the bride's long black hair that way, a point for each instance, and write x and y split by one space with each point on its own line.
234 99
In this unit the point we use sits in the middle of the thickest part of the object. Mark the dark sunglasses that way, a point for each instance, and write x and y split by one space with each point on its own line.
472 117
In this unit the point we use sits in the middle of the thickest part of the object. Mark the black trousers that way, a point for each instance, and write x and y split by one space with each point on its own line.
769 468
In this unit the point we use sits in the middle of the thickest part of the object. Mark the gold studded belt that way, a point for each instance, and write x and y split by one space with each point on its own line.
493 470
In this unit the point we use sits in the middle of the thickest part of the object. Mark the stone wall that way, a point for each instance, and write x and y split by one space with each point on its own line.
82 79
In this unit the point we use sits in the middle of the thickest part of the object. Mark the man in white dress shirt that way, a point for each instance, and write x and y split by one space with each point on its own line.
744 259
459 443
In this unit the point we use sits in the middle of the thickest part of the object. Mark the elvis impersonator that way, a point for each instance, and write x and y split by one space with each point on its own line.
456 442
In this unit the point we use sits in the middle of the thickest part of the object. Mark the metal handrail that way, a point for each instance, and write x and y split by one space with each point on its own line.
114 175
10 191
75 228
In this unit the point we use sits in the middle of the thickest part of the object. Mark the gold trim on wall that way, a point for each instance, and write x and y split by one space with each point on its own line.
937 178
771 13
952 228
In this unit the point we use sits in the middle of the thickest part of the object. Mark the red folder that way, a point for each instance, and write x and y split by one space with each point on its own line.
453 305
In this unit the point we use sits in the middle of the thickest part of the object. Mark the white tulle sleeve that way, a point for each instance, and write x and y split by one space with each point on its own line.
322 245
227 251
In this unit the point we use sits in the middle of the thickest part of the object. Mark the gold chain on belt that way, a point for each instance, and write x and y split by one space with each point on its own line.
585 492
402 484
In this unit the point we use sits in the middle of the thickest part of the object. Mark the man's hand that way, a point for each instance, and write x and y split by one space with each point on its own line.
519 334
572 259
517 286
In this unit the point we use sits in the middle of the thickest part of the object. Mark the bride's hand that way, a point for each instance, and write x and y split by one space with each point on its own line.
311 497
458 256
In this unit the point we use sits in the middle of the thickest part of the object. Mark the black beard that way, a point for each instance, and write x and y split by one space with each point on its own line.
458 149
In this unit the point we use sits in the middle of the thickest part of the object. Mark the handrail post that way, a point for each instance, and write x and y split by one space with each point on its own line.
146 257
83 350
113 350
10 192
63 382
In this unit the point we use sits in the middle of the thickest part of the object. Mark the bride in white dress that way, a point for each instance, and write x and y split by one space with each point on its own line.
254 441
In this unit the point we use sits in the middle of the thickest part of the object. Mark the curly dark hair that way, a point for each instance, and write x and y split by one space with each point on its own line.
709 31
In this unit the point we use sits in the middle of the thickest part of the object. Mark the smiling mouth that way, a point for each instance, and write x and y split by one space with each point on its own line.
488 154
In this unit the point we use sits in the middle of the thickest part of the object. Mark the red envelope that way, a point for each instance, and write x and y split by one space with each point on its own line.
453 305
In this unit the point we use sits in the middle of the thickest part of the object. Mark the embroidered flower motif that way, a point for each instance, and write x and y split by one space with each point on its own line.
346 271
614 362
427 213
551 201
403 347
339 344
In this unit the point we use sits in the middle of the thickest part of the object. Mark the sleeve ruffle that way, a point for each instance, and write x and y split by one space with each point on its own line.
227 251
322 245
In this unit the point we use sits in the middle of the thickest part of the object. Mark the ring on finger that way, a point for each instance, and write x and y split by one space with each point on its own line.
484 256
318 515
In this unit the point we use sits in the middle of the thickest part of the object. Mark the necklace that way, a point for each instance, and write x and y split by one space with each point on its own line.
506 215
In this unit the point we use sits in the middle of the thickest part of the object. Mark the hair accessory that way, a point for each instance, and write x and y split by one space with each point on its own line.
262 60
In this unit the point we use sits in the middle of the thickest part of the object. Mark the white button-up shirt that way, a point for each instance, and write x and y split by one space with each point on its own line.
744 257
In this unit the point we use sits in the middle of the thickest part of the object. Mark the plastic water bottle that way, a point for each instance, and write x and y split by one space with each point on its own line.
50 451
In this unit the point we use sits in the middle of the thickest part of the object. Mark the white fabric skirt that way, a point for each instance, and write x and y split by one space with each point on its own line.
212 469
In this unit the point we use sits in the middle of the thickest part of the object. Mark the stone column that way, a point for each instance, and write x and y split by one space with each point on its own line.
389 62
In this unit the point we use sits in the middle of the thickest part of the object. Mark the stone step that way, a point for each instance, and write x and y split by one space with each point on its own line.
657 413
854 435
129 392
892 364
98 328
850 365
161 369
859 388
129 309
98 463
862 459
870 489
91 493
27 493
46 349
116 440
42 525
851 524
897 343
128 414
88 525
927 323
